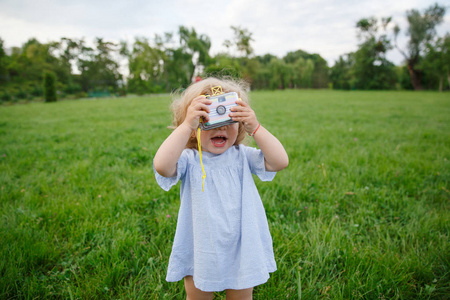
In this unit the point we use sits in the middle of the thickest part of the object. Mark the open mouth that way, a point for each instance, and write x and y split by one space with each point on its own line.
219 141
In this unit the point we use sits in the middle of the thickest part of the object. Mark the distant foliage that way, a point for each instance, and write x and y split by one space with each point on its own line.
426 60
422 33
50 87
171 61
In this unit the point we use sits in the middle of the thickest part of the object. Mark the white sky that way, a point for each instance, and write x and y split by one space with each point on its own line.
326 27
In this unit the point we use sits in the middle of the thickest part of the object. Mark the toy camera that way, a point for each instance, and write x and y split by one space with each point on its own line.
219 110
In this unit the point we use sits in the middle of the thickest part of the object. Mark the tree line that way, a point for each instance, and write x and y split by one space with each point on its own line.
427 57
170 61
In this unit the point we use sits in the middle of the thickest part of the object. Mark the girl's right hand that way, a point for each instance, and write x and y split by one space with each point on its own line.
198 108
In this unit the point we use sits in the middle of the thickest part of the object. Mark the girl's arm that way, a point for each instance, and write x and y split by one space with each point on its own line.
275 156
165 160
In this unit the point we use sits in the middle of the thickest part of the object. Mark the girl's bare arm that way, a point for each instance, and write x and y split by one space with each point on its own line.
165 160
275 156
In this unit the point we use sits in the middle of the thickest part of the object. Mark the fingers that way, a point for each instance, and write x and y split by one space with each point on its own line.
197 109
200 107
241 103
246 117
244 113
201 103
242 110
240 114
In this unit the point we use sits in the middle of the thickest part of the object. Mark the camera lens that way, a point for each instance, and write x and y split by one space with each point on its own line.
221 109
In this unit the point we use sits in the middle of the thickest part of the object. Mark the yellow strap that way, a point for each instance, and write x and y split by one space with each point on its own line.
200 154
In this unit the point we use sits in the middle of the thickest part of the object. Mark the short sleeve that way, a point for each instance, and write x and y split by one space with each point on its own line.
167 182
256 162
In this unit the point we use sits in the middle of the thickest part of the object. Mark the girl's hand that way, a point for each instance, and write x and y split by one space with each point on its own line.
245 114
198 108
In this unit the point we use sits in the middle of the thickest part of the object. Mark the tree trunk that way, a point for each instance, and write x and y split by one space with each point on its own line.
441 82
416 76
448 78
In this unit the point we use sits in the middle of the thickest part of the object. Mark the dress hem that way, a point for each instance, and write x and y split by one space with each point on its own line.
232 283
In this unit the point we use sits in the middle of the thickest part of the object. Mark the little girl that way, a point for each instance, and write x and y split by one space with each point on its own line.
222 239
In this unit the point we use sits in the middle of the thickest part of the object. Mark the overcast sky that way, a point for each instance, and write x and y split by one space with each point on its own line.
326 27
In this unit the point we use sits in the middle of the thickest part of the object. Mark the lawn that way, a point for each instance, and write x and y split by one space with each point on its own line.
362 211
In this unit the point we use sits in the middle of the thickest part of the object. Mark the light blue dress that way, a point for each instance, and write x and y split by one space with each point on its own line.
222 237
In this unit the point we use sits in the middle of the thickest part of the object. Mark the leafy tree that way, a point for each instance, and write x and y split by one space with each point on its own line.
225 65
316 77
146 64
30 60
3 56
341 74
197 46
266 58
98 67
178 66
436 61
4 76
262 77
280 74
421 30
241 40
67 51
250 67
320 74
371 68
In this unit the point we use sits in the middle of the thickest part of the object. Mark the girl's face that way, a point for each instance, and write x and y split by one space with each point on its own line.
219 140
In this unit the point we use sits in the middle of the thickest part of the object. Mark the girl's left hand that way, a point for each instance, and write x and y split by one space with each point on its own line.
244 113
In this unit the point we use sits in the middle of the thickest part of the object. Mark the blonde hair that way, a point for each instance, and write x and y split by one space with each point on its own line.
181 103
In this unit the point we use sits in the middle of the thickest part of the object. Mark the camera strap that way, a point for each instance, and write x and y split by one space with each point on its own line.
216 90
200 154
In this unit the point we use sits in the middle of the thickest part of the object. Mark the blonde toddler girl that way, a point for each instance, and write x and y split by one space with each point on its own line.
222 239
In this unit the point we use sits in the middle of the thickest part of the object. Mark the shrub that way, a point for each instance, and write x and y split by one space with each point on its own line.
49 87
21 94
37 91
5 96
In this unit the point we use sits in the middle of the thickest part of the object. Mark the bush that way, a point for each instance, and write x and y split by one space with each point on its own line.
37 91
72 88
5 96
50 87
21 94
82 95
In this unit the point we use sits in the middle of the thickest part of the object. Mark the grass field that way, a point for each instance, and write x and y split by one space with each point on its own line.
362 211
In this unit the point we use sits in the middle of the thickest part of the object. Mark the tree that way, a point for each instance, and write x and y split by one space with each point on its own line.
146 64
341 74
224 65
241 40
371 69
421 30
318 73
280 74
263 75
436 61
4 76
31 59
197 46
98 67
67 50
178 68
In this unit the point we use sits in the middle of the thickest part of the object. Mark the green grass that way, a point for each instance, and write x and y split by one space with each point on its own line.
362 211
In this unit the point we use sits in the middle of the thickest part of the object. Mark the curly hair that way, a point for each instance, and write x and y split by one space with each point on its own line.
182 101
